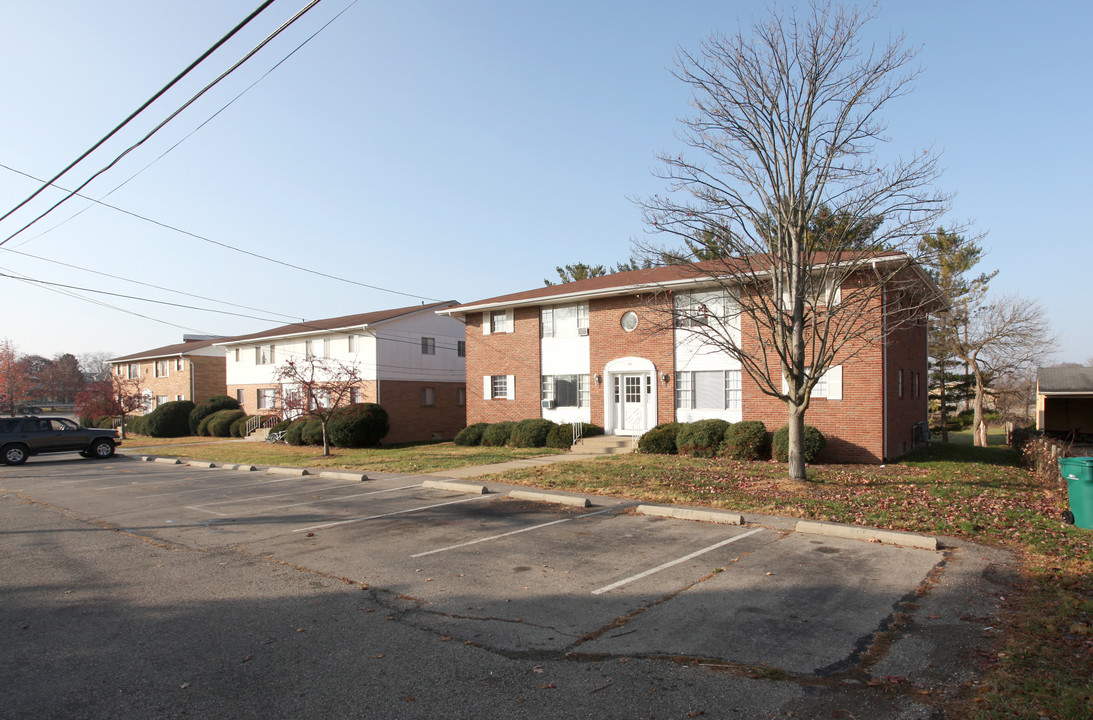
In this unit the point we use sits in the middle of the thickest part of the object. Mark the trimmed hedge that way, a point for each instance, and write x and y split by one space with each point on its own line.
219 424
661 440
208 407
137 424
357 426
561 435
294 433
312 432
746 440
239 427
814 442
498 433
470 435
171 419
701 438
531 433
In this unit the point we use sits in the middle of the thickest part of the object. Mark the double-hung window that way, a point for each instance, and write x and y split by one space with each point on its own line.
566 390
498 387
267 398
461 348
500 321
263 355
563 320
708 390
428 396
428 346
162 369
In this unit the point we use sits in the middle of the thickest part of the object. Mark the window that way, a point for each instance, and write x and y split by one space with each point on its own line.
161 400
914 384
900 386
238 354
161 368
178 364
354 395
499 387
428 396
309 349
180 397
267 398
353 343
500 321
239 396
708 390
564 320
701 309
566 390
263 355
428 346
326 347
134 371
461 348
461 396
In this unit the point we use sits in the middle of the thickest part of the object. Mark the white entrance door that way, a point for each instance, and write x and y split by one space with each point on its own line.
632 397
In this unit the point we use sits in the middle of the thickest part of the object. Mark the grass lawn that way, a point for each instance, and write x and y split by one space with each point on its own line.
1043 664
424 458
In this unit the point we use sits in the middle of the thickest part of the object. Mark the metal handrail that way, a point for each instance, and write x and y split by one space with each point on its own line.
261 421
578 432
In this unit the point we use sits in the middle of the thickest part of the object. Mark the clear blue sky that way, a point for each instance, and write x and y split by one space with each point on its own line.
463 150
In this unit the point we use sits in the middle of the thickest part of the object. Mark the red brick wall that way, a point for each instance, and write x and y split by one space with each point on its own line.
515 353
411 421
653 340
906 355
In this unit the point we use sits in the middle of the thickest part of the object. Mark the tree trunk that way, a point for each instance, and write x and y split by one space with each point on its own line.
979 426
326 442
796 444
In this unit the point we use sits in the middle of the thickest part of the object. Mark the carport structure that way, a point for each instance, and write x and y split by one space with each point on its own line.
1064 401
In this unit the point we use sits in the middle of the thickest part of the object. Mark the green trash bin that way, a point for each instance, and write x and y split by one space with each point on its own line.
1078 472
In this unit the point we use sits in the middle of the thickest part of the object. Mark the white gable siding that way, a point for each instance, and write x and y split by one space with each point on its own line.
399 355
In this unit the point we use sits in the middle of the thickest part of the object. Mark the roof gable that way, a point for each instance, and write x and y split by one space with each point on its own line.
344 322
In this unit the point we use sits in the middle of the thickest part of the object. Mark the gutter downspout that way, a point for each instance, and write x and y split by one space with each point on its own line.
883 364
193 386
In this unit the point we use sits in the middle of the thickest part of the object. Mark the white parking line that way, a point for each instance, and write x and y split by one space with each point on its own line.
397 512
667 565
219 487
502 535
201 508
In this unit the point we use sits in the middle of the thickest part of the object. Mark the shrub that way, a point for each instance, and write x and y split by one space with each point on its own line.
219 424
87 421
498 433
136 424
171 419
701 438
661 440
561 435
357 426
747 440
312 432
470 435
105 422
214 404
531 433
294 433
284 425
814 442
239 427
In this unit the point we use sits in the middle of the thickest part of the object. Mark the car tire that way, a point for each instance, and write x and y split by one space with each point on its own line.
101 449
15 454
86 454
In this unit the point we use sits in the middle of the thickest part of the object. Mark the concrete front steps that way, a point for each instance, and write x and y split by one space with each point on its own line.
605 445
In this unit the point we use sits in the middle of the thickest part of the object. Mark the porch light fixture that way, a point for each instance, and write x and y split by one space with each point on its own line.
599 379
665 377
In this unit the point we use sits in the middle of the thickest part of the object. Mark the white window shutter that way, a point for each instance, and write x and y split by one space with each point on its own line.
510 324
510 385
835 382
486 325
487 387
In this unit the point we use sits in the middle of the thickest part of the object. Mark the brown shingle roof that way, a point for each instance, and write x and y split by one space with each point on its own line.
166 351
638 280
336 323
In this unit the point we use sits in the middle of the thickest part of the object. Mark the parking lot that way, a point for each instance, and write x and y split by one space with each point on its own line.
538 580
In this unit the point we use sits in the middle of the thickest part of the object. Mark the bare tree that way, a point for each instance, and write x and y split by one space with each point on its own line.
786 124
95 365
316 387
1009 337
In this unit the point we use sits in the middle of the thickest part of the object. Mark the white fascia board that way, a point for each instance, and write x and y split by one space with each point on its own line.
265 339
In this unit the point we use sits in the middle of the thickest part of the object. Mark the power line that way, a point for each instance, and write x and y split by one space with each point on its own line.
235 66
143 107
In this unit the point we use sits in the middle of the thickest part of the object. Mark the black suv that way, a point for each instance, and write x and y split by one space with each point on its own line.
21 437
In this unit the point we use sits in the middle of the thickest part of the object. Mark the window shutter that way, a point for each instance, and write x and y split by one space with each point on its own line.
510 386
487 387
486 325
835 383
510 325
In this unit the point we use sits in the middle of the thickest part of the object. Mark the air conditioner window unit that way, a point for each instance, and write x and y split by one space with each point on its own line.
582 331
548 404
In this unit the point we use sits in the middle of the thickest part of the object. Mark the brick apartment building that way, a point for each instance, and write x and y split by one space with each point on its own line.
191 370
410 359
617 351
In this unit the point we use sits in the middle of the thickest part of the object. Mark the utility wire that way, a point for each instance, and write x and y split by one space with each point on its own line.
170 117
257 11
